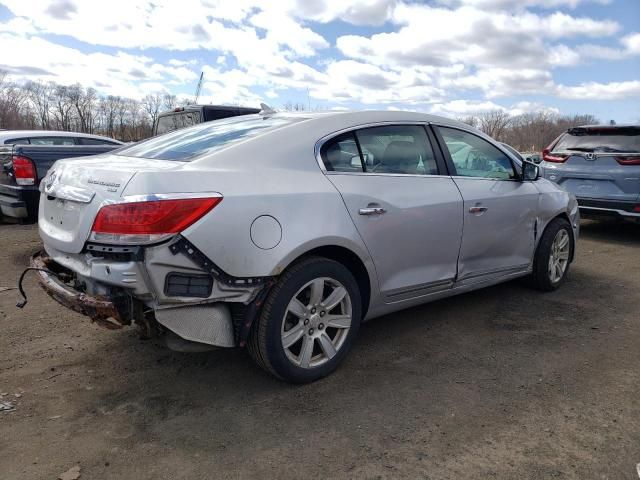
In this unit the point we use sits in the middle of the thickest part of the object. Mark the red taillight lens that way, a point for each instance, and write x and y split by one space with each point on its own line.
144 222
628 160
24 170
636 209
554 158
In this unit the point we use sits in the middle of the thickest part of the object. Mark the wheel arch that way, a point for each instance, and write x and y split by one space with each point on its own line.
351 260
565 216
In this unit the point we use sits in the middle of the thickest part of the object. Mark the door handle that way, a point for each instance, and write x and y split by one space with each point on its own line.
371 211
478 210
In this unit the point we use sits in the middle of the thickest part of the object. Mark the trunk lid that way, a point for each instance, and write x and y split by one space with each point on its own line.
74 190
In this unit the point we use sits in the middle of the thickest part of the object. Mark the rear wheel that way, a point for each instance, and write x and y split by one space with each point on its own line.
555 250
309 321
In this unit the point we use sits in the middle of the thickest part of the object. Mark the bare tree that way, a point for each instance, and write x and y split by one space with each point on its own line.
290 106
169 102
62 107
151 105
13 104
40 95
494 123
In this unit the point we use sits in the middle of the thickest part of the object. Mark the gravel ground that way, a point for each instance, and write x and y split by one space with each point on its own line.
500 383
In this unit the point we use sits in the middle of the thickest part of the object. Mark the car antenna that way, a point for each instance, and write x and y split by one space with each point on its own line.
266 110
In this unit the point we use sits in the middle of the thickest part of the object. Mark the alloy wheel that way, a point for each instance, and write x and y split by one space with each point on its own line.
559 256
316 322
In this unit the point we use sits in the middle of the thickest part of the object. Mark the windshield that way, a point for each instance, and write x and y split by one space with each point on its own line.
614 140
188 143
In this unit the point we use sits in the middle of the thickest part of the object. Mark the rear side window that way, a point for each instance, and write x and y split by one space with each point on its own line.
396 149
606 139
340 154
400 149
52 141
208 137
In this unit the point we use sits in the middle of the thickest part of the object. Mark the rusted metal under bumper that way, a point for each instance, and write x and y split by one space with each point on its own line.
98 308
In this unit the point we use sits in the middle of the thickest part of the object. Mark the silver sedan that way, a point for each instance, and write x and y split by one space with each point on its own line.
283 232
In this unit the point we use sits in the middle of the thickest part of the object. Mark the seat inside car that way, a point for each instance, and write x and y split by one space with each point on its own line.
400 157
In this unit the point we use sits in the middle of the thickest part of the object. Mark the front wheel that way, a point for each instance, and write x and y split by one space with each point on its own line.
553 256
309 321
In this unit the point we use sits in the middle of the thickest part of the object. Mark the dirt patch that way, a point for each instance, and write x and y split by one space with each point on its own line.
500 383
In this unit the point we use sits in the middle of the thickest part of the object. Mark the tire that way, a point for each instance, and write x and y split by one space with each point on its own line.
542 277
298 362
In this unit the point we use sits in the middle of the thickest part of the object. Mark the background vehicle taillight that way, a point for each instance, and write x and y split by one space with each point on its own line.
631 160
150 221
547 156
24 170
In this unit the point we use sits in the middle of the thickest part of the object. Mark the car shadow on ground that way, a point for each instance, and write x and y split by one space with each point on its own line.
618 232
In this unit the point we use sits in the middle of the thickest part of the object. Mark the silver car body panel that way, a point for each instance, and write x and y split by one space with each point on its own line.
410 254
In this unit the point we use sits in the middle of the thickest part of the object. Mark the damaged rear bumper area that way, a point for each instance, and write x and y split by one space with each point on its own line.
170 287
53 277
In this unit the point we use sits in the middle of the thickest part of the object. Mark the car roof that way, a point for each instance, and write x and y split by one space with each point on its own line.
362 117
608 126
7 134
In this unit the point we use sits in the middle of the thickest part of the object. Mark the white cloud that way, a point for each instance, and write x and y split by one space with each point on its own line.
601 91
463 108
522 4
429 53
117 74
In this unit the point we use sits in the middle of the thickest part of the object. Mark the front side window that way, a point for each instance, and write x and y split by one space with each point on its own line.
475 157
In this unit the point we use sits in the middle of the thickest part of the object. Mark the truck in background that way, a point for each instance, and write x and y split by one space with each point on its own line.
182 117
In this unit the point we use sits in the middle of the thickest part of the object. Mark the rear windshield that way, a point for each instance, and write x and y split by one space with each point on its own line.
619 140
186 144
176 121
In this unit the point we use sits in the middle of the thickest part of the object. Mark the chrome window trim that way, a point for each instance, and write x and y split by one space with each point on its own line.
381 174
353 128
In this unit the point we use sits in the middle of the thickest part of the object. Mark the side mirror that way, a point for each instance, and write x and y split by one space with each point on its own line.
530 171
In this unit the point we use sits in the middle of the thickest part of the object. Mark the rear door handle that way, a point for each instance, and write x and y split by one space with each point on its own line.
478 210
371 211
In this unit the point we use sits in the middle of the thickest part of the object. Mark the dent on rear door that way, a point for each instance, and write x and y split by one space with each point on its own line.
415 243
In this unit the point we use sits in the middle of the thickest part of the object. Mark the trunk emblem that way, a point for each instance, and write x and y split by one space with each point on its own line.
50 182
590 156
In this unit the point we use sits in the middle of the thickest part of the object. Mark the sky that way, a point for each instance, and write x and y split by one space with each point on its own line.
449 57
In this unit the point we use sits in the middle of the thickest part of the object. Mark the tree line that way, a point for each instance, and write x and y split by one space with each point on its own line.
528 132
51 106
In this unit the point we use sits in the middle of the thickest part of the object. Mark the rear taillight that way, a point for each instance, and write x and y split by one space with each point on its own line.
149 221
547 156
24 170
636 209
632 160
